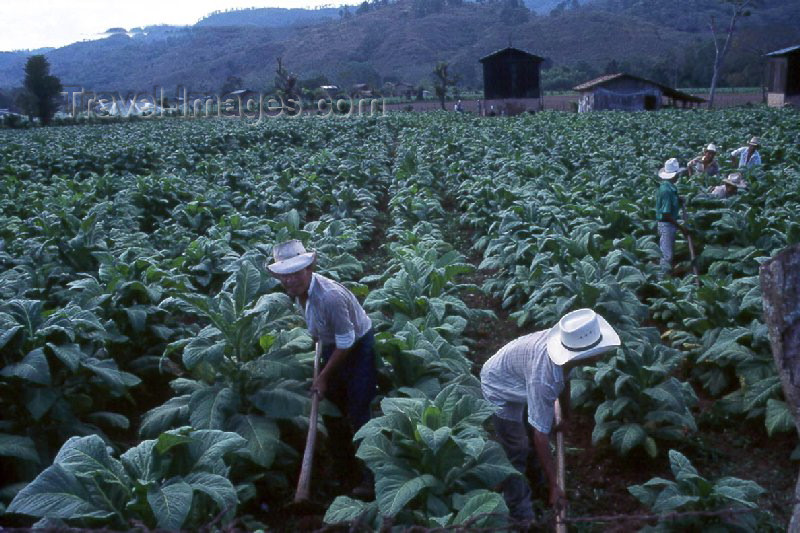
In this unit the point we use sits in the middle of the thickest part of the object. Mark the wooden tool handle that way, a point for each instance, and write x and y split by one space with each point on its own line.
561 526
304 483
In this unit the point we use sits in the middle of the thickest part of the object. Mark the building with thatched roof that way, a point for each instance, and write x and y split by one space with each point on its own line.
624 92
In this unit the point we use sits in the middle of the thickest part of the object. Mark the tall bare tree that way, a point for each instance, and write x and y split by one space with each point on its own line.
443 81
722 40
285 81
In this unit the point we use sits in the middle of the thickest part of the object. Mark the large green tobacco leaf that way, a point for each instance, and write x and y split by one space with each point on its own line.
218 488
395 487
56 493
170 503
18 447
262 436
139 461
88 457
482 502
33 368
779 417
346 510
209 408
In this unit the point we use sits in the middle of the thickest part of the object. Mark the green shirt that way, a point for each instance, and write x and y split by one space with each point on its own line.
667 201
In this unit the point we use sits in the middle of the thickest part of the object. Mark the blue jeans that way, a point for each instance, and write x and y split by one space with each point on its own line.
666 241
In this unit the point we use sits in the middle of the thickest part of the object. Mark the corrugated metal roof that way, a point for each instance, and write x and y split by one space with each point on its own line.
510 49
668 91
784 51
601 80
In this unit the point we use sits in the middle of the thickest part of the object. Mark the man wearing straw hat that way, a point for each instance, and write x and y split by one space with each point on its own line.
706 163
730 186
747 156
336 320
532 371
668 206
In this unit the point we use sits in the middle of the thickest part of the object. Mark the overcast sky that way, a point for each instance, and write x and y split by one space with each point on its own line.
31 24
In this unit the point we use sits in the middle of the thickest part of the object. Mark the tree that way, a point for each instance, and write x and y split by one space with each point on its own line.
780 286
443 81
231 84
722 41
285 82
41 88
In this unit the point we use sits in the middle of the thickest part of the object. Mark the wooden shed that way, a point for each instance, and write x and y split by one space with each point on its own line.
783 72
624 92
511 81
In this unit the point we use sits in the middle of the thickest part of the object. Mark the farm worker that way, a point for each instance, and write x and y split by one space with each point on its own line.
747 156
336 320
730 186
667 210
705 163
533 370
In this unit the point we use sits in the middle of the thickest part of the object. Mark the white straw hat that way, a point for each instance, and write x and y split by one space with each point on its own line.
736 179
579 335
671 168
755 141
290 256
711 147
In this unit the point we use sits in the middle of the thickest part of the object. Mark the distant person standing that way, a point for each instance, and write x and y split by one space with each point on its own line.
668 206
706 163
747 156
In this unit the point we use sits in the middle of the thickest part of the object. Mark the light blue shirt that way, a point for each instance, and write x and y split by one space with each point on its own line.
741 153
522 373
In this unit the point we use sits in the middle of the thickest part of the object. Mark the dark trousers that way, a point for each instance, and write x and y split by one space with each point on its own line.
513 437
351 390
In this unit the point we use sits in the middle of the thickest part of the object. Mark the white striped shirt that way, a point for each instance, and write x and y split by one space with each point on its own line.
333 314
521 372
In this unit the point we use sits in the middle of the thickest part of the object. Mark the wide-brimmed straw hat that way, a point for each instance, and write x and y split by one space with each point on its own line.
671 168
579 335
289 257
736 179
711 148
755 141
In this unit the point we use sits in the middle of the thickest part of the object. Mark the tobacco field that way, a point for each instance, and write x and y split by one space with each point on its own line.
154 375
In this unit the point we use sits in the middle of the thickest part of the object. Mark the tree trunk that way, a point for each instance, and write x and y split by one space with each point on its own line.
780 286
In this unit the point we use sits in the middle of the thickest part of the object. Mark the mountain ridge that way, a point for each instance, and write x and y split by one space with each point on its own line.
402 41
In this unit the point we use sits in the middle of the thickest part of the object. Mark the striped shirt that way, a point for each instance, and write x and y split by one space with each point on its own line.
521 372
333 314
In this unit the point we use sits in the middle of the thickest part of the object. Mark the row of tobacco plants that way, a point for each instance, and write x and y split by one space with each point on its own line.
151 371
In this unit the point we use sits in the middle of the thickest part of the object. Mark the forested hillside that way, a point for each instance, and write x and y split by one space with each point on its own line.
401 41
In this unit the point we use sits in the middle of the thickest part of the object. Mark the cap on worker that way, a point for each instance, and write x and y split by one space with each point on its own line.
671 168
289 257
754 142
711 148
579 335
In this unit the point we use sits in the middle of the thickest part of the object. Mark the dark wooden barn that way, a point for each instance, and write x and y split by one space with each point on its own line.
783 77
624 92
511 80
